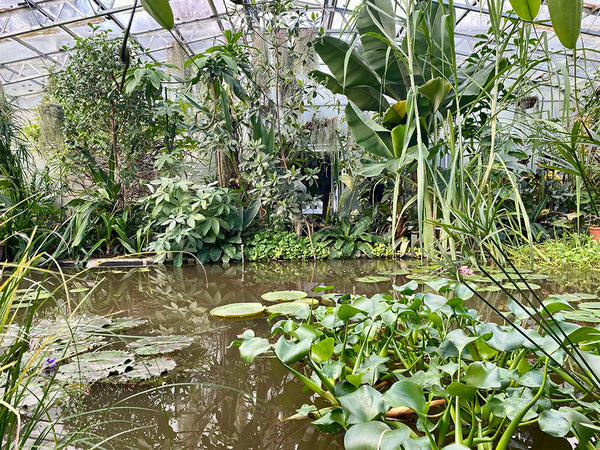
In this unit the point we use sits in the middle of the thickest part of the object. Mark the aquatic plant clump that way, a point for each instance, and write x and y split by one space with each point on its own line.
423 370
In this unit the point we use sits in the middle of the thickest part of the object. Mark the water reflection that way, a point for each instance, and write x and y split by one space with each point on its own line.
216 401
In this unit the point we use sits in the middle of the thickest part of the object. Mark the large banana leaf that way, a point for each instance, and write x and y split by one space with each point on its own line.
365 97
369 134
346 65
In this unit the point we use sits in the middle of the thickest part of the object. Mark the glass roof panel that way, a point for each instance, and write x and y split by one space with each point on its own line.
32 28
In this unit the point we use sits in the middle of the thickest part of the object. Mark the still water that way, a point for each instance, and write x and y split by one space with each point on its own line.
214 400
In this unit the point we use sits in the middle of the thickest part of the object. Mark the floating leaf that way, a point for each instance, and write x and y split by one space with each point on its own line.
522 286
238 311
283 296
91 367
290 351
307 301
372 279
483 375
252 346
146 369
322 350
406 393
159 345
287 308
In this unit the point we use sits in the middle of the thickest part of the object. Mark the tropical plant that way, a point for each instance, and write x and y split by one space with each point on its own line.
283 245
348 240
205 221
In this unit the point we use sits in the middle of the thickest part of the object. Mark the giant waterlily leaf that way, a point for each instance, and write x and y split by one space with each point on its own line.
283 296
95 366
363 405
372 279
287 308
145 369
159 345
238 311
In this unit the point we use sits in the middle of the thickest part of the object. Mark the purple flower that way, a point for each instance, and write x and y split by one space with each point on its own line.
49 365
464 270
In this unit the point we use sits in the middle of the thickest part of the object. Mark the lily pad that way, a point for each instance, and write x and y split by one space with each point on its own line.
307 301
146 369
91 367
238 311
522 286
372 279
159 345
287 308
283 296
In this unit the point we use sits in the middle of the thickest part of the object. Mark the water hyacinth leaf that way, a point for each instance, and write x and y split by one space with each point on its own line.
157 345
318 289
290 352
331 422
304 331
287 308
460 339
407 288
585 335
346 312
374 366
406 393
532 379
501 338
483 375
283 296
238 311
463 291
554 423
372 279
520 311
434 302
161 11
365 436
456 389
355 379
455 447
394 439
363 405
251 347
554 304
322 350
436 285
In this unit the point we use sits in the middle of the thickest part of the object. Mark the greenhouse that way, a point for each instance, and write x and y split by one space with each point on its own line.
358 224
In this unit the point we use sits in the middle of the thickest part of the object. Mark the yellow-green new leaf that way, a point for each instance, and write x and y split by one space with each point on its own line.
161 11
526 9
566 20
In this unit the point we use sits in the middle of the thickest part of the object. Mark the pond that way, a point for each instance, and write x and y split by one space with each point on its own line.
213 399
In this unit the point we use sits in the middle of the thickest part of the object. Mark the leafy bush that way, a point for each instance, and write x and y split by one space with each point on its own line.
347 240
578 251
205 221
283 245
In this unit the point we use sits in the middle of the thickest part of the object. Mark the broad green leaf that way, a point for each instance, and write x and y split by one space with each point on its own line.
157 345
368 134
554 423
289 351
526 9
483 375
436 285
456 389
287 308
251 347
406 393
331 422
161 11
365 436
460 339
346 312
503 338
436 90
322 350
363 405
